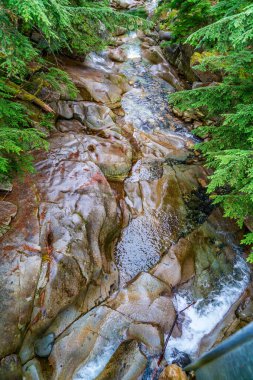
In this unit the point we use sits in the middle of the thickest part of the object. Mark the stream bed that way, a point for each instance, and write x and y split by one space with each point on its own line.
115 234
150 233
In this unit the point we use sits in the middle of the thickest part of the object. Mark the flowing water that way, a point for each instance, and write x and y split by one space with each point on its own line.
156 199
146 105
151 6
140 246
201 318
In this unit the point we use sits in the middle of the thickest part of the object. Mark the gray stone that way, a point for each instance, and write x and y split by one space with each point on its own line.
165 36
32 370
44 346
155 55
6 186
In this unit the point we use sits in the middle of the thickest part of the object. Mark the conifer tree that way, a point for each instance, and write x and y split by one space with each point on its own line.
229 152
73 26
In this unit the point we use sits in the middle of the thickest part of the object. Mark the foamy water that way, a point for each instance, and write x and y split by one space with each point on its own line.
144 238
96 363
201 318
133 47
98 61
151 5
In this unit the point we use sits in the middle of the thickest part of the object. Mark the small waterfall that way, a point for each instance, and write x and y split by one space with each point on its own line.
151 6
200 319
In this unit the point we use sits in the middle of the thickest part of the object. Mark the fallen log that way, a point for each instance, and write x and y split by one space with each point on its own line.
22 94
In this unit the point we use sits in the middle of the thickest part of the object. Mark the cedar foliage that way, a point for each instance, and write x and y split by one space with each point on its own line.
183 17
60 26
228 40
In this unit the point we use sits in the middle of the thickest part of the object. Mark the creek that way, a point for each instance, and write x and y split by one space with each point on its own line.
114 233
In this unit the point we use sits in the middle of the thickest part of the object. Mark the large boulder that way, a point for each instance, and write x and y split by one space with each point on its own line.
20 263
117 55
111 153
93 116
58 252
146 302
128 362
155 55
102 87
76 200
173 372
155 194
167 73
126 4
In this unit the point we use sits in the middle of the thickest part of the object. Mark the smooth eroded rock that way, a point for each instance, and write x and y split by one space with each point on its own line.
173 372
10 368
7 211
102 87
127 363
20 263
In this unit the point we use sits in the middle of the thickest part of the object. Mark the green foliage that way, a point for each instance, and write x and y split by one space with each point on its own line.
229 149
30 29
18 135
183 17
53 79
227 8
230 32
78 26
140 12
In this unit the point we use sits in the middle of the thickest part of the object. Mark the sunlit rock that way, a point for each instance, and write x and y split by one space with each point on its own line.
147 334
86 346
154 54
127 363
106 88
131 313
20 263
117 55
173 372
166 72
112 154
91 115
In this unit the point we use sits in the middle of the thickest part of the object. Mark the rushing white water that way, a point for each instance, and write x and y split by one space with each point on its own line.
96 364
146 236
112 327
133 47
201 318
151 5
99 61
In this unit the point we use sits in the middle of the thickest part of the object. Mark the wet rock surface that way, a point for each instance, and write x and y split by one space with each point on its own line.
173 372
127 4
7 211
11 368
127 363
114 234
